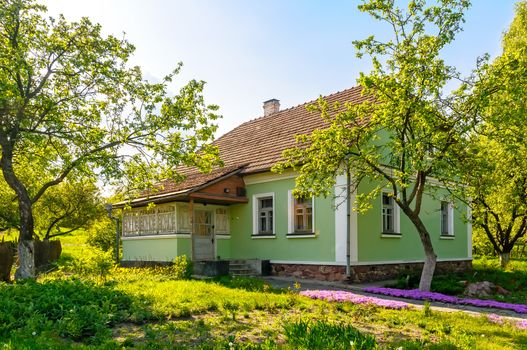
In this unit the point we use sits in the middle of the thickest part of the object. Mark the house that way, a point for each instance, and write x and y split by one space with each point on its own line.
245 211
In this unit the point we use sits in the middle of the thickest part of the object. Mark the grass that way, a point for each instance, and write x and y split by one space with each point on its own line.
88 307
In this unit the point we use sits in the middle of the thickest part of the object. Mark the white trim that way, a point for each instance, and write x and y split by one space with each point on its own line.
469 230
301 236
451 231
340 203
268 177
354 229
290 223
343 263
175 235
255 199
396 214
219 236
331 263
449 237
387 235
263 236
388 262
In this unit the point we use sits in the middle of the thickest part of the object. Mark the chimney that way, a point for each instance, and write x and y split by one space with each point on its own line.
271 106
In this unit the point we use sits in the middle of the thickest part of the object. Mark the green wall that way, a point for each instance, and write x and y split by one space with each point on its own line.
244 246
373 247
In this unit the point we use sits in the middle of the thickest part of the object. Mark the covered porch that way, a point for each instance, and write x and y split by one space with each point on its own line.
193 221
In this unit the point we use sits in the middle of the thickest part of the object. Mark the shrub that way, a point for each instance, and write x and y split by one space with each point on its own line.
73 309
102 235
93 263
181 268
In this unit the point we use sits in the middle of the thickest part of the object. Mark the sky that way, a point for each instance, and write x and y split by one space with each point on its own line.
251 51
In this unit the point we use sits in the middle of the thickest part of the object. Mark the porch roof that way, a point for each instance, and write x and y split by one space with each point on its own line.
221 186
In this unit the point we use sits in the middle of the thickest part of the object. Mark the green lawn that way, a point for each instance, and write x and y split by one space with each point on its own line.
87 304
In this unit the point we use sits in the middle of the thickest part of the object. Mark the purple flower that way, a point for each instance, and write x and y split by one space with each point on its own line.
432 296
522 324
340 296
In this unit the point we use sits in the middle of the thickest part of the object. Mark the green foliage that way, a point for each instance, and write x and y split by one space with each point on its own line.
246 283
494 161
405 129
323 335
101 234
93 263
73 309
72 104
181 268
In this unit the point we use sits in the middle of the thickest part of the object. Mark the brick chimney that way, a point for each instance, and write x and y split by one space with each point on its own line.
271 106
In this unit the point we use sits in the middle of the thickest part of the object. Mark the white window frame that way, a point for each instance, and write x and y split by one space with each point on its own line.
291 216
396 215
450 219
256 217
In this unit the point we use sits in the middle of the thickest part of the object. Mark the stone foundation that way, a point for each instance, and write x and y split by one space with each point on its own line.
318 272
365 273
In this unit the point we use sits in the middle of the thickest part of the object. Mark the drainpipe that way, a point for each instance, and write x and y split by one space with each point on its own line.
348 216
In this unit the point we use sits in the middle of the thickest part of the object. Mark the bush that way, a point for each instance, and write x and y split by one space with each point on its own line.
93 263
102 235
73 309
181 268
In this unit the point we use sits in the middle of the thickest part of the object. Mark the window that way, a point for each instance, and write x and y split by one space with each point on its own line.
263 216
300 215
390 214
303 212
221 224
447 219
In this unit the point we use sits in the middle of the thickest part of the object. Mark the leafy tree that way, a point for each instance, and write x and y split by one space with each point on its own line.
404 133
70 103
494 164
63 209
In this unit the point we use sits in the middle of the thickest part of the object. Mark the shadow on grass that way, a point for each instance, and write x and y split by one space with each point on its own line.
250 284
64 311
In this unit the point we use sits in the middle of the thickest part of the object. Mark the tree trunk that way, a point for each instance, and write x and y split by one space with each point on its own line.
429 266
26 256
504 259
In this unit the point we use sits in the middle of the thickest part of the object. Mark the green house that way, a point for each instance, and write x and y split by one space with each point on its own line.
245 212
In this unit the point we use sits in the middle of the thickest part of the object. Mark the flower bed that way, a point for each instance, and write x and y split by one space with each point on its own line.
432 296
520 324
334 295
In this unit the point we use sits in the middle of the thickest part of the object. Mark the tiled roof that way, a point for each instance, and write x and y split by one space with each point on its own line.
192 180
259 143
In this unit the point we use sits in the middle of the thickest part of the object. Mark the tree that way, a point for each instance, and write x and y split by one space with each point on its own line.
495 161
70 103
404 133
63 209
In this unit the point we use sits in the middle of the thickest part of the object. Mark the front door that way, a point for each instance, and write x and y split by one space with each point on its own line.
203 235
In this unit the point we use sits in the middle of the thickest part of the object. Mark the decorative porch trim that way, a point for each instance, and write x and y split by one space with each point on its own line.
223 236
168 236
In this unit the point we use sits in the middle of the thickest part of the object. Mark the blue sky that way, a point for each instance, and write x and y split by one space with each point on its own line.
251 51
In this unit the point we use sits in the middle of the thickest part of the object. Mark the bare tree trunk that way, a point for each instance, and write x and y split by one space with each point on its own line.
26 255
429 266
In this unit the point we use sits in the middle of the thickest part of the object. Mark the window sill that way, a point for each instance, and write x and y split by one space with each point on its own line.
223 236
391 235
301 235
263 236
450 237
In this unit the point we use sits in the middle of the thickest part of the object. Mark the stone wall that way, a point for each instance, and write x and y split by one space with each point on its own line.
364 273
7 257
319 272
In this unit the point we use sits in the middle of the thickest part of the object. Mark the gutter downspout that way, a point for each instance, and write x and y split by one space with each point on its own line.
348 218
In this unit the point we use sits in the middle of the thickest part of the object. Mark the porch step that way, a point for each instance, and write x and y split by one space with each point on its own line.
240 268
